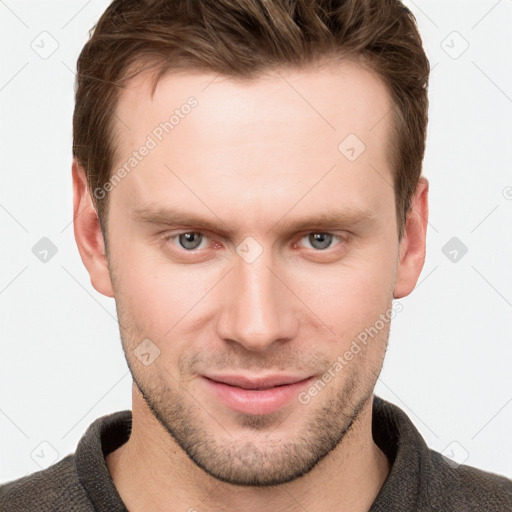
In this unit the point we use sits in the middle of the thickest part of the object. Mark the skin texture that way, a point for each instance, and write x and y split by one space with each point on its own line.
255 157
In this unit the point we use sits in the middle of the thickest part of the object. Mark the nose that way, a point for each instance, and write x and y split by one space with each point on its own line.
257 307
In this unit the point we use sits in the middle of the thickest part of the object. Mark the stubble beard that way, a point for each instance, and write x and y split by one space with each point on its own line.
261 459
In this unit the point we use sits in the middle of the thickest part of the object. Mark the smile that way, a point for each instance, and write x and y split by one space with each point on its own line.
255 395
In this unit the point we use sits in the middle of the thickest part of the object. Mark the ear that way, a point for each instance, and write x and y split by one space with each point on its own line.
88 236
412 246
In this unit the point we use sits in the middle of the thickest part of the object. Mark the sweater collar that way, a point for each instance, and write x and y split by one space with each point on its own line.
392 431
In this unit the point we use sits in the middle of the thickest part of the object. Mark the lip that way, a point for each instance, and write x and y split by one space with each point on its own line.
255 395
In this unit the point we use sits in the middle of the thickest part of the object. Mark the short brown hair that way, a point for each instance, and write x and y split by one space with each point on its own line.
239 39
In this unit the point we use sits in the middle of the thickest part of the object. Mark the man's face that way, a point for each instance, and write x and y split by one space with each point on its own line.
299 257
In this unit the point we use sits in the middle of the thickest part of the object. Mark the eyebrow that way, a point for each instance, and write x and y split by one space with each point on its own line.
332 219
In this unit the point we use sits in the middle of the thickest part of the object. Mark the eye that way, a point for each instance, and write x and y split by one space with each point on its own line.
189 240
320 241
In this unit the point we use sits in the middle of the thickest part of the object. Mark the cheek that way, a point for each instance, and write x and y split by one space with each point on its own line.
158 295
350 296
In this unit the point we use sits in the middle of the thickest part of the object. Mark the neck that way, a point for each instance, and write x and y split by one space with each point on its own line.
151 472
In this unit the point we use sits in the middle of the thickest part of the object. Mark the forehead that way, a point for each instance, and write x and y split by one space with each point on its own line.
279 132
341 96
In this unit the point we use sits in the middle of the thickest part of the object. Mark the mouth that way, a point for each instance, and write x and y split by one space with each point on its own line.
255 395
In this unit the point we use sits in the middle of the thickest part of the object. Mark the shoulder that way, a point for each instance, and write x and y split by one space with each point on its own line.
79 480
422 479
54 488
462 487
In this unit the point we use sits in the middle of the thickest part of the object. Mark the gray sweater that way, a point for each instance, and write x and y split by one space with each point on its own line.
420 479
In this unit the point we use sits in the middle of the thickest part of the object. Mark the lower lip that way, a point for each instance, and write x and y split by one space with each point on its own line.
250 401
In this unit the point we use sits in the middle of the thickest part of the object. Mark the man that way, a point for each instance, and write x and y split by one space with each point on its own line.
247 186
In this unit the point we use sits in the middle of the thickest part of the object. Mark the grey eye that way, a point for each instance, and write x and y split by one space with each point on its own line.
320 240
190 240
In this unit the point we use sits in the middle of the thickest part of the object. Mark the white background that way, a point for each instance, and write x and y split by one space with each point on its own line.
448 364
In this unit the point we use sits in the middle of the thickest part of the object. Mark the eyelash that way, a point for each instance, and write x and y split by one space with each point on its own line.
341 240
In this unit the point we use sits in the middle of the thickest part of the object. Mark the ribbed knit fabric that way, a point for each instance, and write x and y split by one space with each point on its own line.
420 480
78 483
